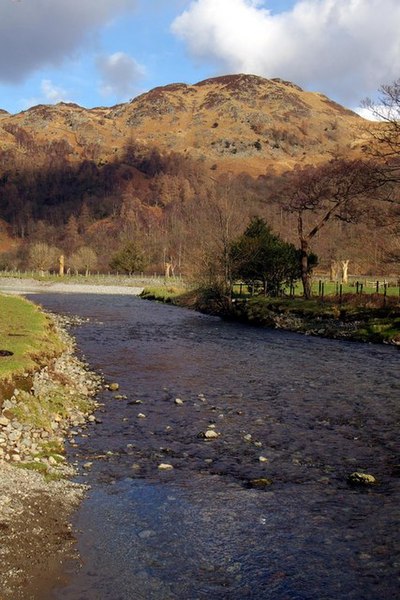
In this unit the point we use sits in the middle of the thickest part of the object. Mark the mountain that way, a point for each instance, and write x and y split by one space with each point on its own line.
154 170
237 123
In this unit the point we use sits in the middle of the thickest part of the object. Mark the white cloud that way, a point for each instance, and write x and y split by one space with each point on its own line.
366 113
120 74
379 112
49 94
39 33
347 48
53 93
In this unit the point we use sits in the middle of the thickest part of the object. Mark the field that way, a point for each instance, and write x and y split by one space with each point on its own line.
27 339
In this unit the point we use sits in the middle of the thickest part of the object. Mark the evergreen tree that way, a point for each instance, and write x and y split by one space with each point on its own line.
128 260
259 257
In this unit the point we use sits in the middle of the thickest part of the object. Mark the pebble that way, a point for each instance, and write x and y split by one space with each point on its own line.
210 434
113 387
141 416
22 441
261 482
357 478
165 467
248 437
178 402
146 534
263 459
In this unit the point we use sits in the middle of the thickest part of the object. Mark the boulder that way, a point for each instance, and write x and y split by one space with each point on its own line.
357 478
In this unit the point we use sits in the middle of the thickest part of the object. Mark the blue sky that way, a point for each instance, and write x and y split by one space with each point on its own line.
101 52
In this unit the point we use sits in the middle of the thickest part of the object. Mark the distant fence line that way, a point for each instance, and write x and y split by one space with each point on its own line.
322 286
94 277
325 287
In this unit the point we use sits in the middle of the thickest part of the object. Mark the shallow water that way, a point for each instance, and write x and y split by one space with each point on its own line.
316 409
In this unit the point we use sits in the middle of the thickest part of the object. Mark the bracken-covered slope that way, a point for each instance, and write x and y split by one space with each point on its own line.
232 123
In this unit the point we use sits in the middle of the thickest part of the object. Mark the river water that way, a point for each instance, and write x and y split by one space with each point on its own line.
314 410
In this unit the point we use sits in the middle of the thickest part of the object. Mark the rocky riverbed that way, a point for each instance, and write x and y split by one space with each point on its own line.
36 497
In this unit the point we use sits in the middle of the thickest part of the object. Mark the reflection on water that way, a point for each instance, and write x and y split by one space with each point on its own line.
314 410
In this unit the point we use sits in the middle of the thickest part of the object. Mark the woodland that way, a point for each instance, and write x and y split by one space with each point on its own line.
156 211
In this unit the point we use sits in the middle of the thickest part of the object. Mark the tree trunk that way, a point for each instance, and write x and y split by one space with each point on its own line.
168 268
334 270
305 271
345 269
61 265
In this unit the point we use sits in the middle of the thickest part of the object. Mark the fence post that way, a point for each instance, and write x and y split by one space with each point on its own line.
341 292
377 287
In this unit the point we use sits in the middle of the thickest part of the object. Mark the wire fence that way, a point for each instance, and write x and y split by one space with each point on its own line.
97 278
322 288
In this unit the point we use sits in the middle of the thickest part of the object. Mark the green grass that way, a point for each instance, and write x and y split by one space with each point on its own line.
167 294
40 410
29 334
363 318
331 289
41 468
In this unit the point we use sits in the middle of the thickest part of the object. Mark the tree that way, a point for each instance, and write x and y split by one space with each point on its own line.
319 194
386 148
386 135
260 256
213 222
42 256
129 259
72 239
84 259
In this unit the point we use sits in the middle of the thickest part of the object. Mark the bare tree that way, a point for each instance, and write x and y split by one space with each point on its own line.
386 148
319 194
42 256
218 218
83 259
386 134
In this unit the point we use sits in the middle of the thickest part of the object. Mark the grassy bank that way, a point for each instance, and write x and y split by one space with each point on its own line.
367 317
27 340
167 294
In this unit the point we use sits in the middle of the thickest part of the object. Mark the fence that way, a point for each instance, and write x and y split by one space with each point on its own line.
136 279
325 288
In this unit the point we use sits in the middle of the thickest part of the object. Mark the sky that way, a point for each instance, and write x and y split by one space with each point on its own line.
103 52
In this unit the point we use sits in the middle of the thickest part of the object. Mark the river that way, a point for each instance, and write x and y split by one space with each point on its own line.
264 510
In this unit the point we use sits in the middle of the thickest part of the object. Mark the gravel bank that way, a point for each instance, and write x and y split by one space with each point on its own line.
26 286
37 500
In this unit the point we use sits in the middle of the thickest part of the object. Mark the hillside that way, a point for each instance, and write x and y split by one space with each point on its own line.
238 123
159 169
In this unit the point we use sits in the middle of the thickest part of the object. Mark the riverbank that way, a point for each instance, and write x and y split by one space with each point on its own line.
366 318
13 285
36 497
